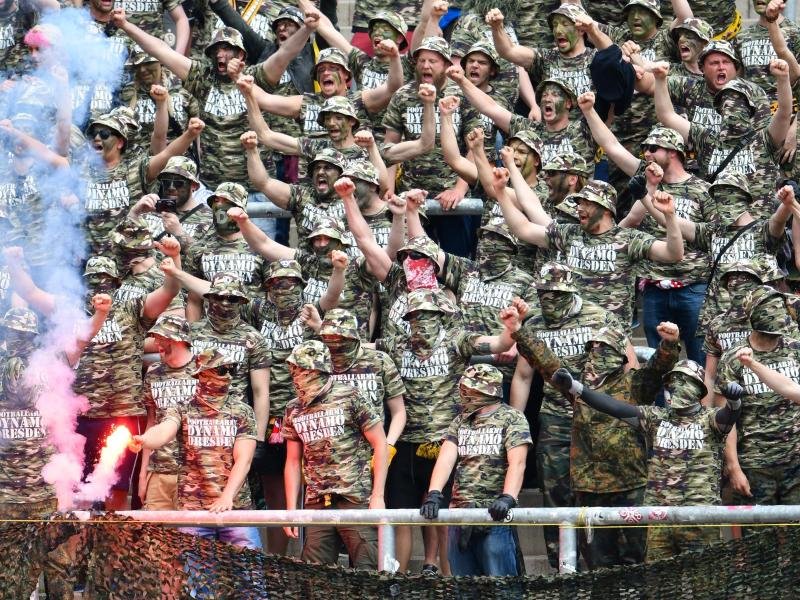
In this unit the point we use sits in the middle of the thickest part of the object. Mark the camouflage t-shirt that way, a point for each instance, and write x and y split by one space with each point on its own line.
404 115
768 430
205 446
726 330
364 10
549 63
108 196
94 95
604 264
148 14
182 106
21 203
575 138
243 343
686 463
336 455
472 28
195 226
483 442
432 398
605 455
140 284
307 209
359 287
166 387
756 51
374 375
213 255
692 202
279 341
717 13
567 340
109 372
13 25
612 13
224 111
758 161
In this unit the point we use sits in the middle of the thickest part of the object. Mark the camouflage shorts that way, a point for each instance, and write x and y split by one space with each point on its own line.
772 485
663 542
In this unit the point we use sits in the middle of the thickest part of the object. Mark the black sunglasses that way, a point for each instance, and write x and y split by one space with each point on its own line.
651 148
174 183
103 133
414 255
226 370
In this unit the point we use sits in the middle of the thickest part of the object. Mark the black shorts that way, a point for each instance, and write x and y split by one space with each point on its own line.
409 478
96 431
275 459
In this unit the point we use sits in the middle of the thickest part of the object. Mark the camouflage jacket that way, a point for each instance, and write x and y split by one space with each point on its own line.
336 455
768 430
206 438
166 387
686 465
483 442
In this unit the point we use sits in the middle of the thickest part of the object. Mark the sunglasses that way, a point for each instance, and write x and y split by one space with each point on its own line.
174 183
414 255
651 148
286 283
103 133
226 370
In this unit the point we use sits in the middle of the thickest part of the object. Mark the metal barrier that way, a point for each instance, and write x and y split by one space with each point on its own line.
569 520
468 206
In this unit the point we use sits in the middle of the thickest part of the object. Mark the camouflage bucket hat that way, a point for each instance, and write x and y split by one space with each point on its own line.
183 167
211 358
484 47
226 35
333 56
139 57
21 319
531 139
600 193
499 226
766 308
435 44
127 116
330 227
101 265
312 355
232 192
331 156
362 170
735 86
486 379
692 370
722 47
612 337
556 277
132 235
731 179
421 244
227 286
172 327
665 137
340 106
112 122
560 83
340 322
569 207
571 11
568 162
284 269
288 13
740 266
696 26
652 5
395 21
425 300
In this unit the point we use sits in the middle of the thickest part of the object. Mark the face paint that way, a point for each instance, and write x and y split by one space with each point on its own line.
323 250
420 273
223 224
642 23
602 362
308 384
565 34
556 305
689 46
363 193
223 312
683 394
382 31
472 400
344 351
523 157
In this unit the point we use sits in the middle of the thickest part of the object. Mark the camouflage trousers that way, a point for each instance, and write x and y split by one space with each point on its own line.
611 546
664 542
323 542
58 573
552 463
770 485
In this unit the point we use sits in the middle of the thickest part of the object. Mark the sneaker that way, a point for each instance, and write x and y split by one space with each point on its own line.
429 569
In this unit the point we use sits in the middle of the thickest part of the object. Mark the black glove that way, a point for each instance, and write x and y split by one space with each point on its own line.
259 462
500 507
638 187
430 508
562 380
733 391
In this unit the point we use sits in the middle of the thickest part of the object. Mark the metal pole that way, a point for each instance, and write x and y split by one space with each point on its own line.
468 206
386 549
567 548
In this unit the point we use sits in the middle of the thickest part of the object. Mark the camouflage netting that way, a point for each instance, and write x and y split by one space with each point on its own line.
124 559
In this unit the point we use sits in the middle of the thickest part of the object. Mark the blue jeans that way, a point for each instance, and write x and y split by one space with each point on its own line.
244 537
680 306
491 553
268 226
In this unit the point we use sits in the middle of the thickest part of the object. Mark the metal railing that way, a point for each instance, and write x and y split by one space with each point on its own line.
569 521
468 206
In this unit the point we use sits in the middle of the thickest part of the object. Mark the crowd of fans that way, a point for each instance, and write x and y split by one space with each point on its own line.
394 355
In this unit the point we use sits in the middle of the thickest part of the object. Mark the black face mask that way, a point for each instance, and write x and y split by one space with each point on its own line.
223 224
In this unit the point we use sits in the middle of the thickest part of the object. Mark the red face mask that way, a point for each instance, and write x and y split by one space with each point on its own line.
420 274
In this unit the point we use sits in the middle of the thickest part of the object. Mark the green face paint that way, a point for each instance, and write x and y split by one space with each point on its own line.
383 31
523 157
642 23
565 34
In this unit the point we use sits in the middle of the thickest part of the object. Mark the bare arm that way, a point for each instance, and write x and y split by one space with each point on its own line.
292 474
280 142
480 100
779 123
158 300
378 98
517 458
447 137
494 344
259 241
448 455
525 195
277 191
102 305
259 383
380 461
772 14
177 147
158 139
533 233
243 451
521 385
24 286
681 10
174 61
626 161
528 95
670 251
409 149
40 150
378 261
182 29
330 298
777 222
397 419
665 112
777 382
519 55
159 435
